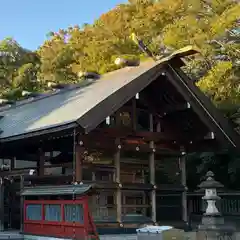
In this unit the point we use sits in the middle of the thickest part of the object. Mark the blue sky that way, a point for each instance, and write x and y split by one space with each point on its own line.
28 21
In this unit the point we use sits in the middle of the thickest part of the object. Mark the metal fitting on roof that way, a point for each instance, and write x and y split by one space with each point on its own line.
58 85
25 93
88 75
127 62
31 94
4 101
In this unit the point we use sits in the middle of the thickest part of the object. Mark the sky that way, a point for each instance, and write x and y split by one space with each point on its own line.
28 21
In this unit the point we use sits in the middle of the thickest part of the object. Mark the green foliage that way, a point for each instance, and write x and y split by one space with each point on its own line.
18 68
164 26
218 83
225 165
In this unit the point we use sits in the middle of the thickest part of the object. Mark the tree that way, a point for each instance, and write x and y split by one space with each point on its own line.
164 26
18 67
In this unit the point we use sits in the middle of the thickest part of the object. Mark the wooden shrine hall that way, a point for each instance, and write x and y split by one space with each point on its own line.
113 132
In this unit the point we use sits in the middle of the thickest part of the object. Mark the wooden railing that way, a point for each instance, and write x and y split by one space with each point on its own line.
170 207
229 204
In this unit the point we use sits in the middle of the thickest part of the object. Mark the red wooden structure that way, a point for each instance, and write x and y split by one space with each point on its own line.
79 225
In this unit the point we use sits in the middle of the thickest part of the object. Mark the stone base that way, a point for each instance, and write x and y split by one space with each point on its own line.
214 228
212 221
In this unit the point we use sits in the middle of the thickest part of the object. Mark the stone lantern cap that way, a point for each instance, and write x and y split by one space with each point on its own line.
210 182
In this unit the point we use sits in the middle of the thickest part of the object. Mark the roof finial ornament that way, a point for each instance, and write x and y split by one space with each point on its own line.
142 46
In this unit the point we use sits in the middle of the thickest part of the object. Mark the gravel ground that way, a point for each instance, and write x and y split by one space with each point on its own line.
119 237
188 236
16 236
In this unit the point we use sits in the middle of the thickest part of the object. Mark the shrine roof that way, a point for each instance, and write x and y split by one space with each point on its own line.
79 189
88 103
85 104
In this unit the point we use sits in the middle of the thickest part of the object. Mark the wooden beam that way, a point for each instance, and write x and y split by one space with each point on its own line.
125 133
193 143
10 154
126 108
164 111
107 145
136 206
101 185
175 109
48 179
128 132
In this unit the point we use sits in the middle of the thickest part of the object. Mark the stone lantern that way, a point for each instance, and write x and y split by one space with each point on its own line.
213 226
210 186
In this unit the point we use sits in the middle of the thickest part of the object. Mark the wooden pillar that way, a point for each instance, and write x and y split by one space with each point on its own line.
40 163
63 172
184 184
158 127
118 180
1 205
117 165
152 173
12 163
21 203
79 151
